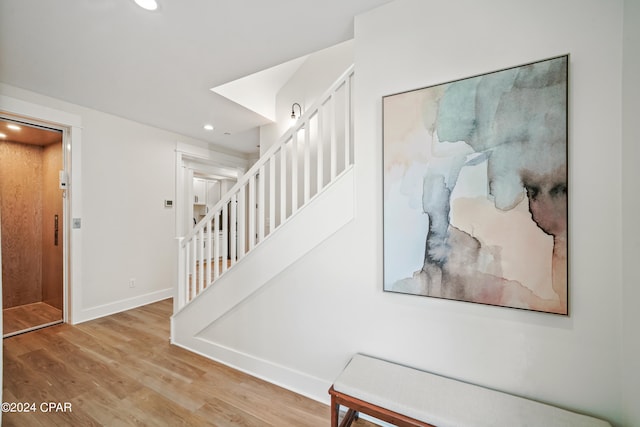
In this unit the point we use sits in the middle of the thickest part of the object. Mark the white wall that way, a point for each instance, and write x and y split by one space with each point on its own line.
631 210
330 304
318 72
570 361
128 170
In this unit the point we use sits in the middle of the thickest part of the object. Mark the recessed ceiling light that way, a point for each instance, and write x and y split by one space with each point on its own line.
2 135
13 127
147 4
208 127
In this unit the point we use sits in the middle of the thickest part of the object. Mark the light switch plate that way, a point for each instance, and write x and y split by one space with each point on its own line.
77 222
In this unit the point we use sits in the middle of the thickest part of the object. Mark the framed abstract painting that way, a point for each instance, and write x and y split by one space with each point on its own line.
475 188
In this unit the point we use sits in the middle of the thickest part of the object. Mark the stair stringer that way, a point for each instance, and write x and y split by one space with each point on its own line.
323 216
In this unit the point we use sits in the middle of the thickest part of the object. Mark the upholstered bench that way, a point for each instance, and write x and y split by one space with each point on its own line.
409 397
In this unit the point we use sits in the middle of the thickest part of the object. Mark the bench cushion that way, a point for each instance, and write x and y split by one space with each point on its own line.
445 402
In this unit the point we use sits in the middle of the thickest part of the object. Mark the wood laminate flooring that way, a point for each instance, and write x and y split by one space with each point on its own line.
121 370
28 316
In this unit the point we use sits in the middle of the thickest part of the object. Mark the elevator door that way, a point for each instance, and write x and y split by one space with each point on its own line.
31 204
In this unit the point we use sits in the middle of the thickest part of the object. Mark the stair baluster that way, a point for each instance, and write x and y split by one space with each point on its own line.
271 191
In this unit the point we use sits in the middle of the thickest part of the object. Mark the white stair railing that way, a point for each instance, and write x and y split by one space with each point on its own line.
313 153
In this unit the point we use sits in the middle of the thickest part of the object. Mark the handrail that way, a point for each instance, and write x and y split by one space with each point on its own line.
278 184
269 153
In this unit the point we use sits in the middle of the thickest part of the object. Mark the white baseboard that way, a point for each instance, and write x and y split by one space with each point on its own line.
290 379
121 305
306 385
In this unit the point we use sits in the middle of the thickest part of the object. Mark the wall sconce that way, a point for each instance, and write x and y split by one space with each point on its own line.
295 118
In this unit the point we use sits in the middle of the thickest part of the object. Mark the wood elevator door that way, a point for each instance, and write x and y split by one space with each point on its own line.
52 227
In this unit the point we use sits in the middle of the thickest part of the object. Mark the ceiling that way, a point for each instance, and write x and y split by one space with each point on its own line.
157 67
23 133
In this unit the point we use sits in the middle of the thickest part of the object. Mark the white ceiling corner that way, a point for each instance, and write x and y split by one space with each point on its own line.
258 91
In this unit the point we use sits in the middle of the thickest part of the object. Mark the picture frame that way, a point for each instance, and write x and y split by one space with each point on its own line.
475 188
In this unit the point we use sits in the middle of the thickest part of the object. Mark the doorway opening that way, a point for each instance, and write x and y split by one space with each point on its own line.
200 184
32 216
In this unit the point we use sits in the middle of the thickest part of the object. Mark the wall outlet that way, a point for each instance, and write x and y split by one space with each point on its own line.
132 283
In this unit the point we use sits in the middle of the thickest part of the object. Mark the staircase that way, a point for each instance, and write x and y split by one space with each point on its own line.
297 194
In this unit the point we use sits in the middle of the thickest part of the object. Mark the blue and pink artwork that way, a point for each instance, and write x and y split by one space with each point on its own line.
475 189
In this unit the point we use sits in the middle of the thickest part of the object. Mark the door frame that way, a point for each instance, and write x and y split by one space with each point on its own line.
71 127
192 160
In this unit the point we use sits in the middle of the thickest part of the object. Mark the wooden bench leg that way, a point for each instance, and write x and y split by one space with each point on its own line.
349 418
335 408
